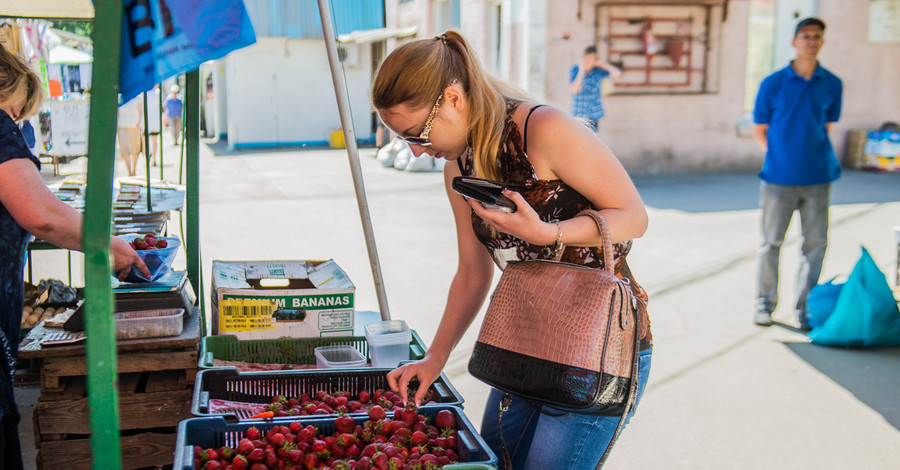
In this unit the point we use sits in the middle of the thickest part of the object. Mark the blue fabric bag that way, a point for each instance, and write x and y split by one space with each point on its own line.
866 313
821 301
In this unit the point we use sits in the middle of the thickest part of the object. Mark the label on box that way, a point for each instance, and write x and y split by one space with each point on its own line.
246 315
336 320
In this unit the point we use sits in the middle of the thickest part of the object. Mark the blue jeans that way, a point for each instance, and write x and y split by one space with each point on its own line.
553 439
778 203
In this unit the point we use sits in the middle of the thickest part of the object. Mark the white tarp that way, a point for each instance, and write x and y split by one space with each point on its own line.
67 55
75 9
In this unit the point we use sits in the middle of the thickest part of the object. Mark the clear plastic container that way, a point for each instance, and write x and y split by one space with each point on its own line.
339 357
149 323
388 342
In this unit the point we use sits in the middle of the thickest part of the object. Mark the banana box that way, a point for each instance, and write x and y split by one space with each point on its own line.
272 299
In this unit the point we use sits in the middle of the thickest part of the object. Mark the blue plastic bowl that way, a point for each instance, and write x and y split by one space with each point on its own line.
158 261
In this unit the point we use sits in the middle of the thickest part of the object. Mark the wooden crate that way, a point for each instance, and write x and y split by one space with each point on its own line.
155 392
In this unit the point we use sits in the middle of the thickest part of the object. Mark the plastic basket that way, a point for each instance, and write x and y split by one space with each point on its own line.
285 350
215 431
259 387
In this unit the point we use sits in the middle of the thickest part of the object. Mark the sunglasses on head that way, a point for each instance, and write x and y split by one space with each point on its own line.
422 138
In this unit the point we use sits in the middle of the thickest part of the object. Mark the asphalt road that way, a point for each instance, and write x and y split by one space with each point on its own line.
723 393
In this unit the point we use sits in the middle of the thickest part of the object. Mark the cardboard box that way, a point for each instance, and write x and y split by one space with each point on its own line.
271 299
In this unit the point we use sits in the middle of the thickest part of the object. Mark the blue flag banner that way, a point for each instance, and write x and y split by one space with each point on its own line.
164 38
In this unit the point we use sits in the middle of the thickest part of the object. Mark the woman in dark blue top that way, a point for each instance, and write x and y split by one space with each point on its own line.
27 207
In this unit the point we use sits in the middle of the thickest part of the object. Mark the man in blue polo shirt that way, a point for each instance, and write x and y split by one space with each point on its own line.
795 109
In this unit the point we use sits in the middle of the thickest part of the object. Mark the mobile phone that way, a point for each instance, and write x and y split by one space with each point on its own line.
489 193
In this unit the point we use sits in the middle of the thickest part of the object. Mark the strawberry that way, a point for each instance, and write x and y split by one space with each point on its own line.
252 433
275 407
419 438
370 450
295 457
324 407
140 244
380 460
321 394
354 406
409 416
270 459
212 465
403 434
451 454
258 466
444 419
364 397
209 454
245 446
376 413
277 440
256 455
311 461
353 451
345 440
305 435
319 446
239 463
337 451
451 441
363 464
344 423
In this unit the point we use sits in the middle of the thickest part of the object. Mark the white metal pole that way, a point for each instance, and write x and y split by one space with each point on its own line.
340 92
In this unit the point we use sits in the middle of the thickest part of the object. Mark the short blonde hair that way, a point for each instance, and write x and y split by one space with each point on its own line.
17 81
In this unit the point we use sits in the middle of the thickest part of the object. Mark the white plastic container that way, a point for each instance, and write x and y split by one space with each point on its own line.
149 323
388 342
339 357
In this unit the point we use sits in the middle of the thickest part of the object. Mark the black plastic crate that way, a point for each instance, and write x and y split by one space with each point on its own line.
259 387
285 350
215 431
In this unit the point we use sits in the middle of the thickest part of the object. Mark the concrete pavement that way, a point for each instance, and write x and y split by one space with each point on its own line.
723 393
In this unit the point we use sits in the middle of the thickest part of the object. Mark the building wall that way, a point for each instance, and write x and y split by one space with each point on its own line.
280 92
870 70
679 132
660 132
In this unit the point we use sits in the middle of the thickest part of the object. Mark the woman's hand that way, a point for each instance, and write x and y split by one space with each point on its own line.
124 257
523 224
425 371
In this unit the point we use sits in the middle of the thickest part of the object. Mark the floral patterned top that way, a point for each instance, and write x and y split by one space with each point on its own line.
13 243
551 199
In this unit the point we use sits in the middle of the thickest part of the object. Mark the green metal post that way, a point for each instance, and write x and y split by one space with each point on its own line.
103 394
191 142
147 152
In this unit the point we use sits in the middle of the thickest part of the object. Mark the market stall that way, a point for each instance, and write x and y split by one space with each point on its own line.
114 401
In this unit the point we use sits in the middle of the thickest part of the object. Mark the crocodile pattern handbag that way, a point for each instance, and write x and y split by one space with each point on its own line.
562 335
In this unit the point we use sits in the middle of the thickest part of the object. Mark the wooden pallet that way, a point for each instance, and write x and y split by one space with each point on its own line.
151 404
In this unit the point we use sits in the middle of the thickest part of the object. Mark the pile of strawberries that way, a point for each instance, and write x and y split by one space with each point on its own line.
409 441
148 242
323 403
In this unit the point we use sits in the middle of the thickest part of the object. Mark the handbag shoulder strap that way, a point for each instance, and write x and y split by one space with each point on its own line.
604 235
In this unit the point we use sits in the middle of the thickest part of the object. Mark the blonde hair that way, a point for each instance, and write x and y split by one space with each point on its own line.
415 74
18 80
